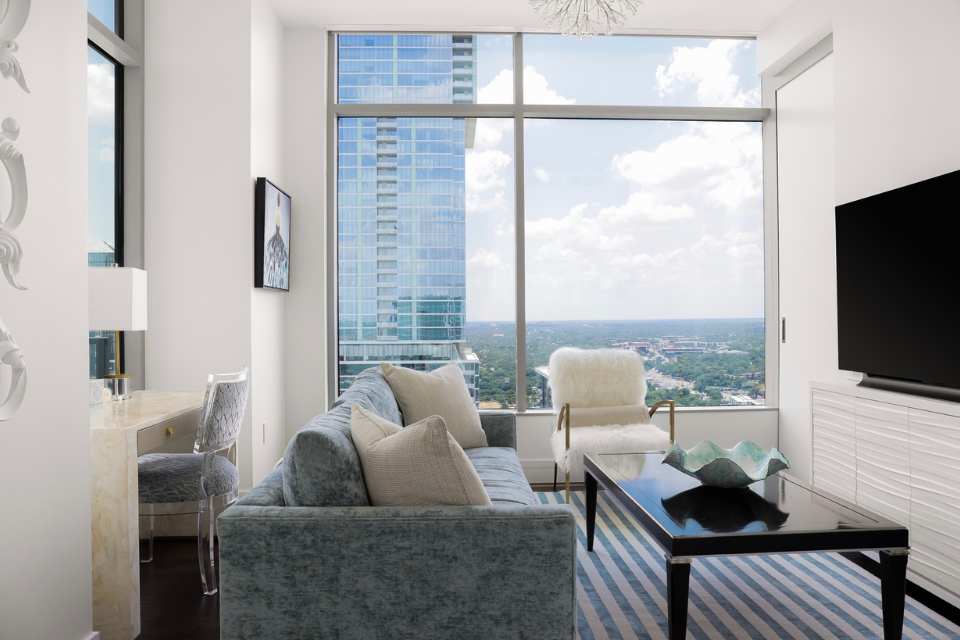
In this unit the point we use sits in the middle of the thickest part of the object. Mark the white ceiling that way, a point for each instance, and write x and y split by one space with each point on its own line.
689 17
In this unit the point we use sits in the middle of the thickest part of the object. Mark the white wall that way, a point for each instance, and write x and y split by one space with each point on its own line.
896 94
267 338
198 229
45 450
214 122
895 101
305 55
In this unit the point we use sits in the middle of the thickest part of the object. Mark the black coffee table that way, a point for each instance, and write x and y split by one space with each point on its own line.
777 515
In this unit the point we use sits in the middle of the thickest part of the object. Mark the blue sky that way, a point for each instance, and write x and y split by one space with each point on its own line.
624 220
101 77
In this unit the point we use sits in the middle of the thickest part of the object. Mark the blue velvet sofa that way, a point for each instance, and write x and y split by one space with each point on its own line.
304 555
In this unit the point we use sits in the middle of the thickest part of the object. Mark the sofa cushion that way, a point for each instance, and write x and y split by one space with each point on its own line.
321 467
371 391
441 392
502 476
420 465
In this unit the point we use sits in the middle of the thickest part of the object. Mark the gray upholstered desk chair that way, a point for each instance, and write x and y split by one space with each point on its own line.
205 480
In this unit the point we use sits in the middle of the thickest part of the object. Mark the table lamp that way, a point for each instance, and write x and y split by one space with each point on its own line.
118 302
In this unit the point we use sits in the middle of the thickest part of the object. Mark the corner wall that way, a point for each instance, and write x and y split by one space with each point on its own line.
895 99
45 574
267 308
212 122
305 117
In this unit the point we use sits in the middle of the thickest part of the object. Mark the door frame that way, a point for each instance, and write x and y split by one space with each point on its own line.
770 83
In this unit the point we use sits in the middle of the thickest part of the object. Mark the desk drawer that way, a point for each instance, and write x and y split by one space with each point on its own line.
172 436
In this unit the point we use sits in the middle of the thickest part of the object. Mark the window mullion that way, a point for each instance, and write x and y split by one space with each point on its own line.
519 246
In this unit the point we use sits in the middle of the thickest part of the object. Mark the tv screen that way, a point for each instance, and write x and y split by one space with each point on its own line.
898 291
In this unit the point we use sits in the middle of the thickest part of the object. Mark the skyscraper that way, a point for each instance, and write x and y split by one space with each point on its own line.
401 205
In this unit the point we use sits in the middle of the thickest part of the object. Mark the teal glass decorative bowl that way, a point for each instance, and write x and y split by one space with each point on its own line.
715 466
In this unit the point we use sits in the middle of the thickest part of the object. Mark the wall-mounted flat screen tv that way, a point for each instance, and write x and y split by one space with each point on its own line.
898 283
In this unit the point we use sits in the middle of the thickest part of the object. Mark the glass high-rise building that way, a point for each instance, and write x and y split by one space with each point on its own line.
401 205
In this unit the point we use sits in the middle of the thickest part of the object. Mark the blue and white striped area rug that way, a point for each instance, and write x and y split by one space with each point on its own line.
621 590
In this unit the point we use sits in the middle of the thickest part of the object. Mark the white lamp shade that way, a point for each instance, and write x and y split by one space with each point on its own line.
118 299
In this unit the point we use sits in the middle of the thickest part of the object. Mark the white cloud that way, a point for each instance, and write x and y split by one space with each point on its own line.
483 170
504 229
542 175
489 132
645 206
486 180
536 89
709 72
101 93
486 259
718 160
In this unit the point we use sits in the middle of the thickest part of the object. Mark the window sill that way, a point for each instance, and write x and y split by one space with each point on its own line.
717 409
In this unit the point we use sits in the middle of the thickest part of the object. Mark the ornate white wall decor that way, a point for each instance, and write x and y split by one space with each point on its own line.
13 17
11 252
11 356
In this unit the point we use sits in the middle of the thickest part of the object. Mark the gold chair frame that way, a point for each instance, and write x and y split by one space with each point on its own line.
563 421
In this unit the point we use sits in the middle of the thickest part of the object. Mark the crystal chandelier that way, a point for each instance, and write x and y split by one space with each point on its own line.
586 17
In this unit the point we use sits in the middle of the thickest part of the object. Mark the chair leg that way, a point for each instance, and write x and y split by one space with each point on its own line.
208 568
149 557
567 483
554 477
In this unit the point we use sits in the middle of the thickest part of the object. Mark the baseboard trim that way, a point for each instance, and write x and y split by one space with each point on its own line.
928 599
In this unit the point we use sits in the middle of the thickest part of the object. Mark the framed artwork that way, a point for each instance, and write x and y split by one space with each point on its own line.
271 268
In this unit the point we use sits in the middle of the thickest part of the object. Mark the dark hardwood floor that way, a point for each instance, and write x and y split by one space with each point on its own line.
172 605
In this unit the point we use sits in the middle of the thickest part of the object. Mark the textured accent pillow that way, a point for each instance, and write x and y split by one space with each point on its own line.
441 392
419 465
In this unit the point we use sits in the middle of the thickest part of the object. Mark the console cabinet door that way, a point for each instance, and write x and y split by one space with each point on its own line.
834 468
935 497
883 459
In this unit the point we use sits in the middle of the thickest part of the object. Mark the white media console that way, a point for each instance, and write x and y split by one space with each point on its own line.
897 455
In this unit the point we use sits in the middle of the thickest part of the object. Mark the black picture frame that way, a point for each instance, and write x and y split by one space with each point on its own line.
264 278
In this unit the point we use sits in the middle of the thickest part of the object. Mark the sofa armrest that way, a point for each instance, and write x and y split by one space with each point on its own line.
501 429
397 572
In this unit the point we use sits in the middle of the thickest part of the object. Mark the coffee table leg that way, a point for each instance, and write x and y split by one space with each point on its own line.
591 486
893 578
678 587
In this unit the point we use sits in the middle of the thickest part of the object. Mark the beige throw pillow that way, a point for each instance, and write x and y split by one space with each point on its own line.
441 392
418 465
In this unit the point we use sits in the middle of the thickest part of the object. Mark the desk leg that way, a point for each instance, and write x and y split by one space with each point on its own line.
591 486
114 534
678 587
893 579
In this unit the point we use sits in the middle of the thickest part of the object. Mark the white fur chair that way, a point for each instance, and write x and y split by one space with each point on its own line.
599 399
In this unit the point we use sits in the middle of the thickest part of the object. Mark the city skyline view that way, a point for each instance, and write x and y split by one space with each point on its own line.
625 220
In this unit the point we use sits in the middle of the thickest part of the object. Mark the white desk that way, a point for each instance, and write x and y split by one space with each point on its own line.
150 418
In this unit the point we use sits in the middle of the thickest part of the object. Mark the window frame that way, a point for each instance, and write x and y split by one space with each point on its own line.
116 49
520 112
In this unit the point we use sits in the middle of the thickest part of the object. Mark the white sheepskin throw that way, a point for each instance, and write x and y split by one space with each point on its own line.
630 438
597 377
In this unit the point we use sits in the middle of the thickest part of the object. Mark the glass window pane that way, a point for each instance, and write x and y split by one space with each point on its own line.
425 249
101 194
640 70
648 235
424 68
106 11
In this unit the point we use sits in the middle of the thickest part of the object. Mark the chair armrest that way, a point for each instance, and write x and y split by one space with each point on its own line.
400 572
501 429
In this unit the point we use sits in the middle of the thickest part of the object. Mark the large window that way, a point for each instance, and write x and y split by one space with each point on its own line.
642 213
104 188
